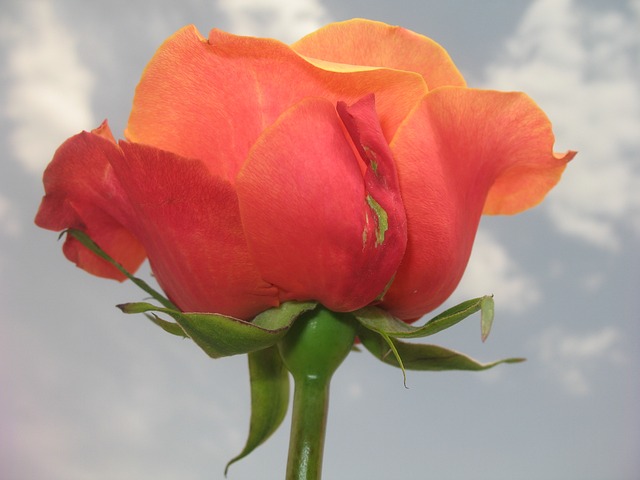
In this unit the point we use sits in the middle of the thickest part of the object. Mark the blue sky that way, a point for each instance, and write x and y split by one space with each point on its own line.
86 392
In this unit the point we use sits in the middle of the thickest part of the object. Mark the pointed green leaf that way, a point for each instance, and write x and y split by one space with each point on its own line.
486 316
137 307
398 359
380 321
85 240
423 357
269 398
221 336
169 327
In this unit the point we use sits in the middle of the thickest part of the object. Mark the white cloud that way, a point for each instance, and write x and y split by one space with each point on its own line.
48 98
492 271
572 358
9 223
582 66
286 20
593 282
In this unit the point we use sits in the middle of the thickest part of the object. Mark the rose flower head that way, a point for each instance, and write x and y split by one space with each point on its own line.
350 169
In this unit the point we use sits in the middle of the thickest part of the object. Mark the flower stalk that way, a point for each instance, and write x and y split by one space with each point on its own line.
308 428
313 349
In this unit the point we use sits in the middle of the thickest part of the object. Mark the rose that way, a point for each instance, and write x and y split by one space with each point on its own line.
350 168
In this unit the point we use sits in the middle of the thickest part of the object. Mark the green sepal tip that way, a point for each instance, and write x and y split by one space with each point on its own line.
269 398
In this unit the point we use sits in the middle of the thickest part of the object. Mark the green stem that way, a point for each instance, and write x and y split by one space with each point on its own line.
308 427
312 350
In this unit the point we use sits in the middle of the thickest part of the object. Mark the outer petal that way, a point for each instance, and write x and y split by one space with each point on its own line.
365 42
189 223
212 99
460 151
308 213
81 192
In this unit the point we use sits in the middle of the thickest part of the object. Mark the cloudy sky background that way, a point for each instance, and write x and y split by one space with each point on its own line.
86 392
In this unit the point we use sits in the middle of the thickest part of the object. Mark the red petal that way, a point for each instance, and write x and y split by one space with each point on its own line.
189 223
365 42
81 193
211 100
462 151
303 202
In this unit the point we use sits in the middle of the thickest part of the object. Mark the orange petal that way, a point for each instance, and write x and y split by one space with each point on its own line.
366 42
189 223
81 193
460 152
212 99
309 219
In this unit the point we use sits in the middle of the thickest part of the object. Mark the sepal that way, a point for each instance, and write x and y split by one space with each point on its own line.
269 398
424 357
218 335
379 332
169 327
222 336
382 322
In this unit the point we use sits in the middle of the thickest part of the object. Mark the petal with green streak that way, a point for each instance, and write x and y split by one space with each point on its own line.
303 202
